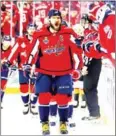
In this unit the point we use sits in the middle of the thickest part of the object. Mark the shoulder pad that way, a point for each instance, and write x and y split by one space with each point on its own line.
41 32
68 30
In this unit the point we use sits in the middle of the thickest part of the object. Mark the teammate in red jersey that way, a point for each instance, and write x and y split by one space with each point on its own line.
5 51
41 9
106 19
6 26
10 6
26 14
20 53
54 66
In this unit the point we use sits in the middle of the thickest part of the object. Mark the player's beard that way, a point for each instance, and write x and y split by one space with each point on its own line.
56 26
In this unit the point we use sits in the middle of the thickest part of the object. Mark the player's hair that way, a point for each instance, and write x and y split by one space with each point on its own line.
86 18
54 12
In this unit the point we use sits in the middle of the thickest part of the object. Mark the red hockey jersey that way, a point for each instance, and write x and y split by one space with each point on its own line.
91 36
8 27
107 33
26 18
10 6
20 51
56 51
41 9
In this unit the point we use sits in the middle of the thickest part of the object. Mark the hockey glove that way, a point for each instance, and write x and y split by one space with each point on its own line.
76 74
27 70
27 67
6 65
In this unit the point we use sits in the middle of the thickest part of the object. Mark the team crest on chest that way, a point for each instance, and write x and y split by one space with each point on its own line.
45 40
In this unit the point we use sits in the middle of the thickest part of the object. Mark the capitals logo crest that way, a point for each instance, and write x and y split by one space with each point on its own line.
45 40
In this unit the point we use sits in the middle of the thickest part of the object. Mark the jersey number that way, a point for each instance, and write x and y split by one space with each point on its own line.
108 31
41 13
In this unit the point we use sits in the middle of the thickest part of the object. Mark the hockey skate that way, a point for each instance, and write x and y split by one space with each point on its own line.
45 128
71 123
63 128
75 104
26 109
83 104
33 109
92 119
52 120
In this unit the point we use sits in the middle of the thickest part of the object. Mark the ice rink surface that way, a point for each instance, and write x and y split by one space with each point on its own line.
13 122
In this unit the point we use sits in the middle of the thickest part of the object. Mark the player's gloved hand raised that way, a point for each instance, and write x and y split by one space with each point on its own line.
27 70
26 67
86 46
76 74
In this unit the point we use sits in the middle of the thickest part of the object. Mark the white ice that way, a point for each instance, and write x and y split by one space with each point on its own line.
13 122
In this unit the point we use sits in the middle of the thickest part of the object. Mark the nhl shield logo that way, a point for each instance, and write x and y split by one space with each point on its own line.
46 41
61 38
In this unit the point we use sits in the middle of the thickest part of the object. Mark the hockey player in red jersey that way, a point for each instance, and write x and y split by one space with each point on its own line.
20 53
10 6
5 51
92 68
6 27
25 14
103 14
54 67
41 9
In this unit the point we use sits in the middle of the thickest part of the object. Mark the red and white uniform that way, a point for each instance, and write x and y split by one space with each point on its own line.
107 33
56 51
42 9
91 36
6 28
26 18
20 51
106 18
10 6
